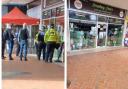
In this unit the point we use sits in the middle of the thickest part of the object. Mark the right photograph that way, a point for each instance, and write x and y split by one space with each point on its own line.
97 32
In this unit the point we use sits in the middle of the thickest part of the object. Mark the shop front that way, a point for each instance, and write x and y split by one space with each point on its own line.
53 13
94 25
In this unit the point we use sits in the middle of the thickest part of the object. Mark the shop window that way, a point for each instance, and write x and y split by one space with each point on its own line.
53 12
60 11
47 14
115 33
82 35
115 21
102 19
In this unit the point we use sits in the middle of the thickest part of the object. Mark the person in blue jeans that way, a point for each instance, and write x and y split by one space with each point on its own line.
17 43
10 40
23 37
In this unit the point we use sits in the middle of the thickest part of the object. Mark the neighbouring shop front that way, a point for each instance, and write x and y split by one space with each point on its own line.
52 11
94 25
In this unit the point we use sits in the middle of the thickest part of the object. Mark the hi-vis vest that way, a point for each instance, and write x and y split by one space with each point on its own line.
51 36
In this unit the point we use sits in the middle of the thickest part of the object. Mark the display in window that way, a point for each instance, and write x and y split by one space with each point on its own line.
114 35
101 35
82 35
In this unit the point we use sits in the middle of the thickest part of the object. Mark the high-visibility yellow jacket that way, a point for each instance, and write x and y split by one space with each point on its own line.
51 36
36 38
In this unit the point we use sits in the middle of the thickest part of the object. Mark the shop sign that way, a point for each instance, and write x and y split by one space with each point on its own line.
51 2
78 4
82 16
96 8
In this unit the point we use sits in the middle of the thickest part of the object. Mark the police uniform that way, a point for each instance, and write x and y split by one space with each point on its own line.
51 38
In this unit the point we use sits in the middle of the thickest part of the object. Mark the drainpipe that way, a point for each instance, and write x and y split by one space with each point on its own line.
41 7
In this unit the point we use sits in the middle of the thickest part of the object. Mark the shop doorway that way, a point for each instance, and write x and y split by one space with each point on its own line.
102 34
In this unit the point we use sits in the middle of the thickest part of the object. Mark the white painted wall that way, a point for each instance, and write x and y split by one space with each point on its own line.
4 10
35 12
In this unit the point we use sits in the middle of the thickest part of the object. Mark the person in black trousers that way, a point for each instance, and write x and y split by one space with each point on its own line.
3 43
41 44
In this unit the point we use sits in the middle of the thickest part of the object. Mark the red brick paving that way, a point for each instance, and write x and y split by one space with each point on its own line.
101 70
41 75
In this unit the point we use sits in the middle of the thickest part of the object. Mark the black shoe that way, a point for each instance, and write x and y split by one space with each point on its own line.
58 61
11 58
21 59
50 61
46 61
3 57
39 59
26 59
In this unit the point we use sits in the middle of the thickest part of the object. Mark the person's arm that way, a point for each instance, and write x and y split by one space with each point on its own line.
27 33
19 36
58 37
46 36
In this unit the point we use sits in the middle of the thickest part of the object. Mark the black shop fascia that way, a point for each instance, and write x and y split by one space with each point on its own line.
94 7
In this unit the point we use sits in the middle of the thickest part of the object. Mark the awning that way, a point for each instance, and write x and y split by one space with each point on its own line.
16 16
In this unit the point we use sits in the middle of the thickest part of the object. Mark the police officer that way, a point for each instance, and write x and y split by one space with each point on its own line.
51 38
61 47
23 37
41 43
10 40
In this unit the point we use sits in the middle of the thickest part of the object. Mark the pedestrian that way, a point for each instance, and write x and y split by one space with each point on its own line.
10 40
61 45
3 43
51 38
36 43
17 43
23 40
41 44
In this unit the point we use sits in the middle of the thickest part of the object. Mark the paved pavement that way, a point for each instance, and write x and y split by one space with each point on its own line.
31 74
100 70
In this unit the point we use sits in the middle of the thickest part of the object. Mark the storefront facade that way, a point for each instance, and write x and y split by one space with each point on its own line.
94 25
49 12
53 13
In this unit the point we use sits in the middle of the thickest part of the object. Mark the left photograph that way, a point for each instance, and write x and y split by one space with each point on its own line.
33 44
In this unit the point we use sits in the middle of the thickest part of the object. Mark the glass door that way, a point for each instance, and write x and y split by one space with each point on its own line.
102 34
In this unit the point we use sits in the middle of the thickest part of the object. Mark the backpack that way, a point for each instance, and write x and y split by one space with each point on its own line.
23 34
41 37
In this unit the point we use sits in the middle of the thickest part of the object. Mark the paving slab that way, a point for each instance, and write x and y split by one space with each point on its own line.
99 70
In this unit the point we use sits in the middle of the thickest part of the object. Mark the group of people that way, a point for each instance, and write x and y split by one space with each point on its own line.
44 41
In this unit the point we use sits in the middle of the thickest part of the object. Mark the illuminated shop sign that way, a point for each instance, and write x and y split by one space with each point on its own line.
96 8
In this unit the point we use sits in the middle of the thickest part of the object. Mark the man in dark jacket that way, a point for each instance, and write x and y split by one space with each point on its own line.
10 40
23 37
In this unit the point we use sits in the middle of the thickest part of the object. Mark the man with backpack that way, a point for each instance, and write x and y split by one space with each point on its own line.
10 40
51 39
41 44
23 40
